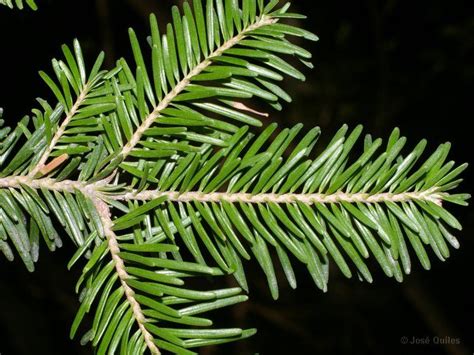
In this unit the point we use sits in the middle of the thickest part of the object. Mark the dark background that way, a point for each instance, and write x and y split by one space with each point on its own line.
380 63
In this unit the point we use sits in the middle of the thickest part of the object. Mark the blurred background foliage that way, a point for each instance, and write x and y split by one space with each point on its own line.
383 63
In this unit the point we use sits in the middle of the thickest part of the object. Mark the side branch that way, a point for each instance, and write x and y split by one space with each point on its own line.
59 133
150 119
104 213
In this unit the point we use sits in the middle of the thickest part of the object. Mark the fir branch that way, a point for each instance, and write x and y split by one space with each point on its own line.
184 83
114 249
60 131
326 196
142 178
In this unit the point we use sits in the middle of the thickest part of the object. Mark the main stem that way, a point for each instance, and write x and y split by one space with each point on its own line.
309 199
94 191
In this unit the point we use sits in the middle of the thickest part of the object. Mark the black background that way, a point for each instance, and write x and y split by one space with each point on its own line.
380 63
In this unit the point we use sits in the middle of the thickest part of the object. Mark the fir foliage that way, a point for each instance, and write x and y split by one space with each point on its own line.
19 4
155 171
